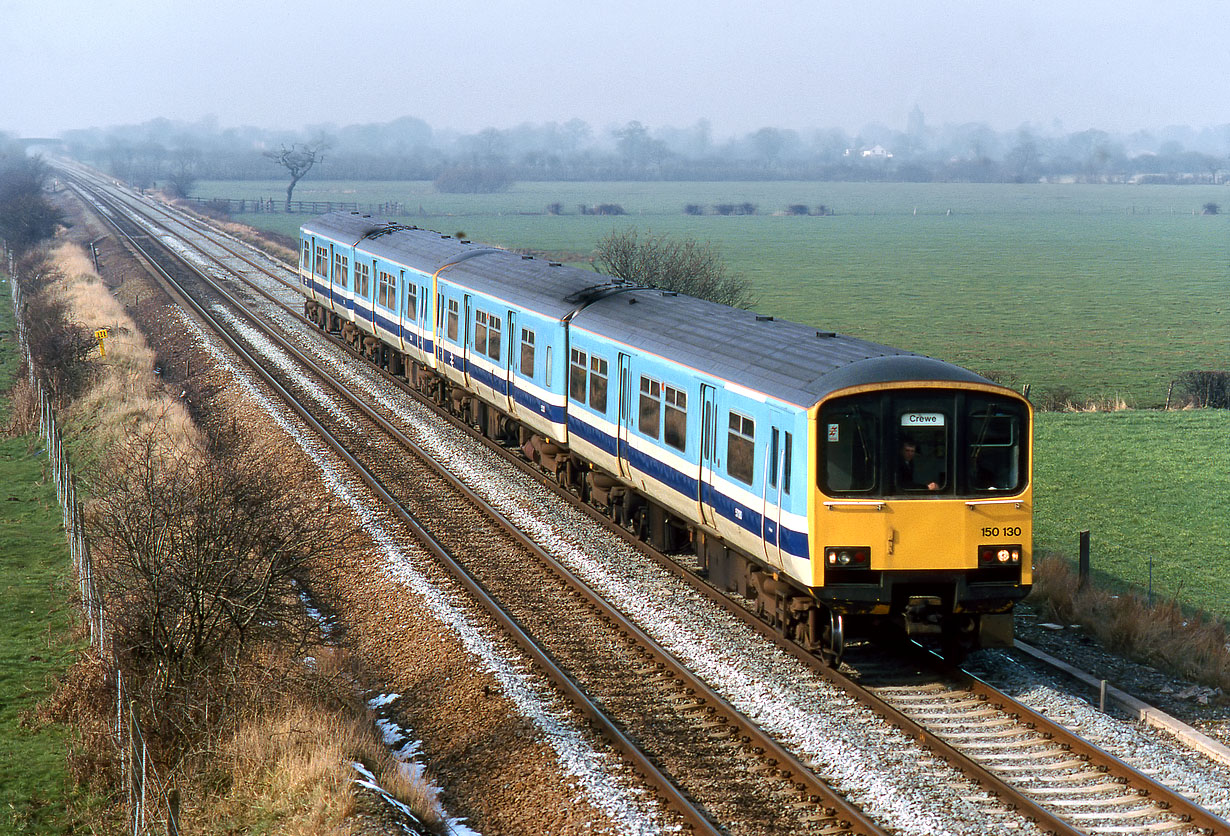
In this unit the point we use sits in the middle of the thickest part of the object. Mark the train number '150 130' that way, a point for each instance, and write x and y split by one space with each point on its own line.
1007 531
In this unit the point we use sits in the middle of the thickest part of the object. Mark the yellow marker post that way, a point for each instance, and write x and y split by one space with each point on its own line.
101 334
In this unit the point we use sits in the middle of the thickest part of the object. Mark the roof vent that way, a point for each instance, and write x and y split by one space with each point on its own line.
763 318
446 236
670 293
827 335
462 240
554 264
354 211
527 258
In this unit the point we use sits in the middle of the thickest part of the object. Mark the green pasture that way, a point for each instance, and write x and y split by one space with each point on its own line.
1100 292
1146 484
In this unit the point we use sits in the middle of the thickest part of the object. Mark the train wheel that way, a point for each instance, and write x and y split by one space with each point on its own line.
959 637
834 641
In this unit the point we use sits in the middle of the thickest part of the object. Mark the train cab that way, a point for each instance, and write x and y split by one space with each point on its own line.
924 500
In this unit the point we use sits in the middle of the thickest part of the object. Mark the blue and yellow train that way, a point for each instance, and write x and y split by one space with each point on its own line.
844 486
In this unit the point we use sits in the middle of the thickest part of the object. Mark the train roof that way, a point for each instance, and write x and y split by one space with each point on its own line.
785 360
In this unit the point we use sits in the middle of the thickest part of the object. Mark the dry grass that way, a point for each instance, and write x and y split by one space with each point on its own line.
1098 404
1162 635
289 766
126 397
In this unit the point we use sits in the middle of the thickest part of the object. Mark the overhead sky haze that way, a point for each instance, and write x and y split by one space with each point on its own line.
465 66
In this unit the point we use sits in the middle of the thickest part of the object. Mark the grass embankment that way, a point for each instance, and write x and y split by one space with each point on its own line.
1093 292
38 635
282 765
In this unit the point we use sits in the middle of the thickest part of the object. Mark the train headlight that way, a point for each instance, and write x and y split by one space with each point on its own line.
847 557
999 555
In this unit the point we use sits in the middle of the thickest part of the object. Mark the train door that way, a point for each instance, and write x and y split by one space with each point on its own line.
509 365
467 334
708 452
625 415
775 464
437 331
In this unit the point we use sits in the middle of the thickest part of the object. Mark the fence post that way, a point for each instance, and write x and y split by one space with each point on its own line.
1083 571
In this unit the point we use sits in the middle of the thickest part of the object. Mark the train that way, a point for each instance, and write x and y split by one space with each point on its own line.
843 487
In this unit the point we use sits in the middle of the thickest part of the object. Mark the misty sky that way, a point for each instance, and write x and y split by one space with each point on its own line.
465 65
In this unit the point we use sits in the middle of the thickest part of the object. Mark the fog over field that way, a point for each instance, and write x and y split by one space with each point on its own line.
1050 65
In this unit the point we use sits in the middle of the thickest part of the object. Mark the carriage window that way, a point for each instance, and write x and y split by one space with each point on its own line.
453 316
994 449
741 447
362 279
546 368
307 256
676 434
386 293
322 262
527 352
651 407
412 300
849 433
576 375
480 332
495 337
341 270
597 383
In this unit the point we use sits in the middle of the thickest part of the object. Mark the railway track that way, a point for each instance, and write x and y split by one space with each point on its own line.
1022 759
709 762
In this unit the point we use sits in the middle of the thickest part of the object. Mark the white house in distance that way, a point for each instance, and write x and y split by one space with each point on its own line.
875 152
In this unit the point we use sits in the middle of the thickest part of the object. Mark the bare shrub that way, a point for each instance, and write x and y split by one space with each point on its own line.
797 209
1162 634
680 265
60 347
1205 389
473 179
198 557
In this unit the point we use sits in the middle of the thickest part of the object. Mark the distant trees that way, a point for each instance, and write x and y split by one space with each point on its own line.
298 159
680 265
1211 209
26 216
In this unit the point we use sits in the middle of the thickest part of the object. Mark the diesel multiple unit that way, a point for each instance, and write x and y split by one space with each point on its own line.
842 485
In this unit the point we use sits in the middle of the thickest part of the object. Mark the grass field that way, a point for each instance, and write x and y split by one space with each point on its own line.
1145 484
35 625
1103 291
1106 291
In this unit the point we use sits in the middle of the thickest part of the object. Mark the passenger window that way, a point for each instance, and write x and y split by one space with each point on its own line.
495 337
740 447
527 352
576 375
480 332
649 419
676 429
453 311
597 383
412 301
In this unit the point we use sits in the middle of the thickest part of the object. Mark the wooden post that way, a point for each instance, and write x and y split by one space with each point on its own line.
1084 560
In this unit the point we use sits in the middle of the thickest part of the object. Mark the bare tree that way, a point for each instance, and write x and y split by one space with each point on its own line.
199 559
684 266
298 160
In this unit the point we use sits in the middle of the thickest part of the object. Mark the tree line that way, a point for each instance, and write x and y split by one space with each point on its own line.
178 153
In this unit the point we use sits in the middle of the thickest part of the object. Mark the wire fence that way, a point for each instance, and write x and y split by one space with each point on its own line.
152 803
